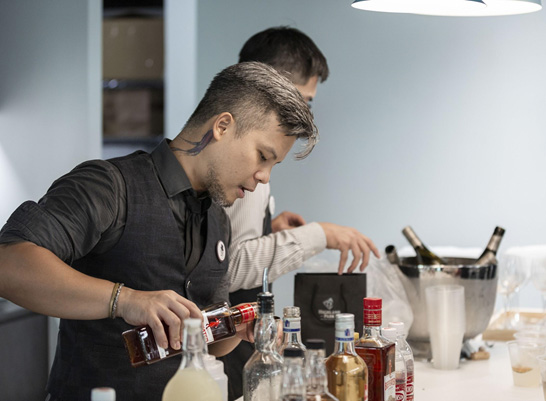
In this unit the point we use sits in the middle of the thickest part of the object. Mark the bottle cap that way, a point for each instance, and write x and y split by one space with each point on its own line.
315 343
499 230
103 394
372 311
345 320
291 311
193 325
399 326
389 333
293 353
265 302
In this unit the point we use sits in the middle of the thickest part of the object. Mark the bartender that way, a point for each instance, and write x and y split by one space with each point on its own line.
142 239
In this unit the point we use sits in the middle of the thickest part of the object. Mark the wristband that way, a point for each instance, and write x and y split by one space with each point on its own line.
114 299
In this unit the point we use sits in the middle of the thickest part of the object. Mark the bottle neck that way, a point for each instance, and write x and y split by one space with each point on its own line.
292 331
193 348
345 341
371 331
315 372
265 333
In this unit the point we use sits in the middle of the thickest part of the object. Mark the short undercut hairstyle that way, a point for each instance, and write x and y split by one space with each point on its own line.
287 50
250 92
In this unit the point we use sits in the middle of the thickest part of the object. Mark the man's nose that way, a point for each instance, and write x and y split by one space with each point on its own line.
263 176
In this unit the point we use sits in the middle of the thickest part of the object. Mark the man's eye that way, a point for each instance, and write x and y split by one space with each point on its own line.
262 157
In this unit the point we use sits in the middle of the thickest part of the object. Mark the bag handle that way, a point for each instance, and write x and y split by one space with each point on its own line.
315 314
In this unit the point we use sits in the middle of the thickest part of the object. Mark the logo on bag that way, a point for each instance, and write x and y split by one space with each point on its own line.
329 303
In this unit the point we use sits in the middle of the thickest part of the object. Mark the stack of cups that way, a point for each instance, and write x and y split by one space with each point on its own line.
446 324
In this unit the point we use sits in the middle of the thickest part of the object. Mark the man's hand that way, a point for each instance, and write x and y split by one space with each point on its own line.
348 238
155 307
286 221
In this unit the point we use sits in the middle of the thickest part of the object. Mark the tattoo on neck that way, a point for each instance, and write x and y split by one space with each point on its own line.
197 146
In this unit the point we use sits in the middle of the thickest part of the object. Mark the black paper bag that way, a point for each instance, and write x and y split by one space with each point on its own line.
321 296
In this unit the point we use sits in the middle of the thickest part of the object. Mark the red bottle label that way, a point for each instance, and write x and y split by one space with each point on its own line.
247 312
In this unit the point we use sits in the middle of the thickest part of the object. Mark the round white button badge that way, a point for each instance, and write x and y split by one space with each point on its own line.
221 251
271 205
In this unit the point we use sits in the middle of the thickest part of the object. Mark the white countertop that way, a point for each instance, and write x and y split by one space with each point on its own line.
474 381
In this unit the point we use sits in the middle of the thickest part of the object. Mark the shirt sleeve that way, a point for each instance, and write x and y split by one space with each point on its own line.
74 213
251 252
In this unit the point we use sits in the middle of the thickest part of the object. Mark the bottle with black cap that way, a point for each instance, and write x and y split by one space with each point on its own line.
315 371
262 374
489 255
293 380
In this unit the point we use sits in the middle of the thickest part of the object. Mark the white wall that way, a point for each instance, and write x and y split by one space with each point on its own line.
50 96
429 121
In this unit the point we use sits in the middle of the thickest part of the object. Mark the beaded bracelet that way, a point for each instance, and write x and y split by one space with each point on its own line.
114 299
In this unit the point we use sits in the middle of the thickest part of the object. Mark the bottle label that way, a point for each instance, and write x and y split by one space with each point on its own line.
162 352
390 386
372 317
207 332
345 335
409 387
248 312
291 325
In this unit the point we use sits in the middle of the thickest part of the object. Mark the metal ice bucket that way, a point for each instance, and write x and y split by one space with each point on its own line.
480 286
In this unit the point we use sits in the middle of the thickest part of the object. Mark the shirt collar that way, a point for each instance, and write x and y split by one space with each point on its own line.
173 177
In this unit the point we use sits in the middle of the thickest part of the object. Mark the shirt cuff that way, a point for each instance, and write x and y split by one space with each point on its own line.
312 239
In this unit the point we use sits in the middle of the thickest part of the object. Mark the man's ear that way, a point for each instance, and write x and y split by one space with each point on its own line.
223 124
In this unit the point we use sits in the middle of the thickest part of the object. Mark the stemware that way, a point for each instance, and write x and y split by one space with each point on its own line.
513 273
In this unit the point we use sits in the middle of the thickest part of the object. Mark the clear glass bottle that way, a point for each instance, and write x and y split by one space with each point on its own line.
424 255
220 321
315 372
489 254
400 370
378 353
262 374
392 255
406 351
293 378
291 328
192 382
103 394
347 372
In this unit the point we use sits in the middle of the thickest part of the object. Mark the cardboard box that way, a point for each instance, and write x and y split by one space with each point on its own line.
132 48
132 113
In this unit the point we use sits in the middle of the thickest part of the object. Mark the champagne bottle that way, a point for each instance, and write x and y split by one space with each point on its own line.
219 322
192 382
424 255
488 256
392 255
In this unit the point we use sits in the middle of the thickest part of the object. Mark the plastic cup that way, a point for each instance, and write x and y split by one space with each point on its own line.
524 360
531 335
542 368
446 324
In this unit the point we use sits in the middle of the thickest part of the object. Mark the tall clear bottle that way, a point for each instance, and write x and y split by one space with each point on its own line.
291 328
315 372
424 255
347 372
192 382
293 378
378 352
401 374
262 374
489 254
406 351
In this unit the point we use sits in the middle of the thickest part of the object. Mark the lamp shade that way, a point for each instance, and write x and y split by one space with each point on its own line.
454 8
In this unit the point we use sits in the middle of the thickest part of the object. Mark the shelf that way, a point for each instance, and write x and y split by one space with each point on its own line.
118 84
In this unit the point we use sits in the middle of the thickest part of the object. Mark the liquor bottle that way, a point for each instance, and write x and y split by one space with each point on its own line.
406 351
219 322
293 379
347 372
424 255
488 256
262 373
291 327
400 370
315 372
192 382
378 353
103 394
392 255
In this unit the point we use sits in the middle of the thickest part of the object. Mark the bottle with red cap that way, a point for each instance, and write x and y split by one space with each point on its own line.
378 353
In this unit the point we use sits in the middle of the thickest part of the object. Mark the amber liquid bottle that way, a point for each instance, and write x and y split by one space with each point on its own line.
219 322
378 353
347 372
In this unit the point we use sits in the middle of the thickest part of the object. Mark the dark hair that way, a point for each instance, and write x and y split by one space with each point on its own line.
287 50
250 91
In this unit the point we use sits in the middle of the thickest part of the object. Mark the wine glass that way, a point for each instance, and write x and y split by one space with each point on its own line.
512 275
